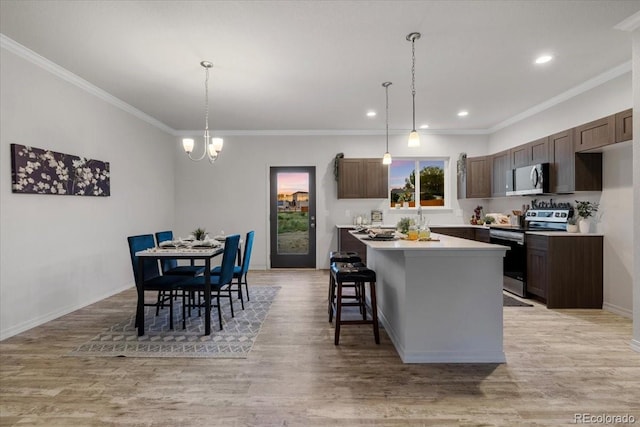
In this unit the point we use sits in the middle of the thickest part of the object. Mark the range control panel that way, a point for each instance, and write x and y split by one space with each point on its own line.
547 215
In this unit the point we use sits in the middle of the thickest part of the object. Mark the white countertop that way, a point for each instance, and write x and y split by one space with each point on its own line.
443 244
537 233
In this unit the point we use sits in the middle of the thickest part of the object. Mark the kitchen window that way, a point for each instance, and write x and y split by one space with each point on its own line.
428 191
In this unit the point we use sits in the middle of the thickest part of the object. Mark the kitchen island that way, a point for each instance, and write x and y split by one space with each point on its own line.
440 301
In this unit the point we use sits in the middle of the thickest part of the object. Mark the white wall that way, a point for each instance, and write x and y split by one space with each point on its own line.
60 253
616 198
232 194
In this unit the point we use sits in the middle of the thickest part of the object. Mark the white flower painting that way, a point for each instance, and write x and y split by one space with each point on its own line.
34 170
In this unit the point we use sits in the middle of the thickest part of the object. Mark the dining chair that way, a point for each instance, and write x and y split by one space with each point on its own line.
240 271
219 282
166 286
170 267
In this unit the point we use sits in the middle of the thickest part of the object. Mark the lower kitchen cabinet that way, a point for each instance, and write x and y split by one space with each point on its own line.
347 242
461 232
565 271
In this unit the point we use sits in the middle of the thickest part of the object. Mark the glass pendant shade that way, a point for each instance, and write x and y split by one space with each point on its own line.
217 144
386 159
414 139
188 144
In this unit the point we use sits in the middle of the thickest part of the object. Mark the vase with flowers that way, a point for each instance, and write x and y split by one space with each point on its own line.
585 211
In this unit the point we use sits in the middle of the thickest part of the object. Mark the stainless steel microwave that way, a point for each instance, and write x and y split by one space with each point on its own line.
525 180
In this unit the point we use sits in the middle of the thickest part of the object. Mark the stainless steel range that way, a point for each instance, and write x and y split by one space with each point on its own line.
515 260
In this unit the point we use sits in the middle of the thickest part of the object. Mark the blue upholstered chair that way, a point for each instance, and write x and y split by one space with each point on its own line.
240 271
166 286
219 283
170 267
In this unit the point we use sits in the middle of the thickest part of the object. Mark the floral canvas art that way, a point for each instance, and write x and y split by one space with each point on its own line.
38 171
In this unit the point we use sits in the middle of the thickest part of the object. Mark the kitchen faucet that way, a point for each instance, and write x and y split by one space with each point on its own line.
420 223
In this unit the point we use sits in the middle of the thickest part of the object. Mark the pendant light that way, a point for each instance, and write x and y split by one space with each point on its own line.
386 159
212 146
414 138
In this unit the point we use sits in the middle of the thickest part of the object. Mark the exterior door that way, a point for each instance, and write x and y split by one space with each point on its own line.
293 217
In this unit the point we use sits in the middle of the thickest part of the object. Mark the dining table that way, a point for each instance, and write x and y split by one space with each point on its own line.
180 253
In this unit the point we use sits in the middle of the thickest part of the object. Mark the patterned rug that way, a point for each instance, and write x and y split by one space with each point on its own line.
234 341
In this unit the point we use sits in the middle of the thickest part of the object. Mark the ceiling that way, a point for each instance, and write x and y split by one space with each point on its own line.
319 65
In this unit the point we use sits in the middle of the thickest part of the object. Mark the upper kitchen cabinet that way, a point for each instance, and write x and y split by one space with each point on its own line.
500 165
530 154
595 134
362 179
479 177
624 125
572 171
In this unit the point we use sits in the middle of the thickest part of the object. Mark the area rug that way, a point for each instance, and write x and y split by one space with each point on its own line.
234 341
508 301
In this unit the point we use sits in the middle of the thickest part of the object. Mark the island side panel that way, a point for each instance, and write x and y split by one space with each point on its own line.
453 307
390 292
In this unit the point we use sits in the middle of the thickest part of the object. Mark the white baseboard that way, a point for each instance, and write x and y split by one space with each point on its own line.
32 323
616 309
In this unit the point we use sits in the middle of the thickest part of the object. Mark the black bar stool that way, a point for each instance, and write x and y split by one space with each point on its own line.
339 256
354 275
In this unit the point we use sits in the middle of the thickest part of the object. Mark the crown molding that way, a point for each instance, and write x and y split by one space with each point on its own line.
66 75
630 24
565 96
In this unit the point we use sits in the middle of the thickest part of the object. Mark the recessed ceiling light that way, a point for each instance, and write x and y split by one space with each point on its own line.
425 126
371 113
543 59
463 113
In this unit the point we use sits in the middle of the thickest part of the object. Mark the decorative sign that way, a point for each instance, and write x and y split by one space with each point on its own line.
38 171
535 204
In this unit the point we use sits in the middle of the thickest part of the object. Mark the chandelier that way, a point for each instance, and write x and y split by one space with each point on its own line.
212 146
414 138
386 159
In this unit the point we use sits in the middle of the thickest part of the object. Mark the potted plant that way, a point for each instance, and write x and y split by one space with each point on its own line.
404 224
400 201
199 233
572 225
585 210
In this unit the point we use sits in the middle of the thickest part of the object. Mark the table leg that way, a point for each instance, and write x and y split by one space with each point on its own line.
140 305
207 296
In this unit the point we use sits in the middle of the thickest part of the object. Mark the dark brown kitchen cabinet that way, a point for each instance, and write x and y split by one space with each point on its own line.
479 177
595 134
565 271
572 171
500 165
530 154
561 162
624 125
362 179
348 242
539 150
482 235
461 232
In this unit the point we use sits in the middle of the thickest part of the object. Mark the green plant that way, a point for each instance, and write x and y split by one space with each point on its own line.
586 209
488 219
404 224
573 220
199 233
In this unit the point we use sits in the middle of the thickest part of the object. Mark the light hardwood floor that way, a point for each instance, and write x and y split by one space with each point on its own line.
559 363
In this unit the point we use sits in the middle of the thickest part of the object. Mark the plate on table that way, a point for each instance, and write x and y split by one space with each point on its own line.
382 237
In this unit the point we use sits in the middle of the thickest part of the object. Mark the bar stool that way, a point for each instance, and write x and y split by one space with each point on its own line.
339 256
356 275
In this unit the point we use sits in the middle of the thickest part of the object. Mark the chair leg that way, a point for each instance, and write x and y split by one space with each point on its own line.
240 291
338 313
219 310
160 296
374 311
230 300
171 310
246 286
